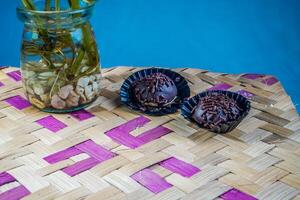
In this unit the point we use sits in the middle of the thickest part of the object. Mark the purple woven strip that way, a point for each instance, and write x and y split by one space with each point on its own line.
220 86
81 114
125 139
235 194
16 75
81 166
15 193
18 102
1 84
179 167
151 181
253 76
246 94
94 150
62 155
130 125
3 67
51 123
153 134
6 178
121 134
270 81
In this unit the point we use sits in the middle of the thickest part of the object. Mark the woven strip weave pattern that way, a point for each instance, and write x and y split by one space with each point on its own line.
108 151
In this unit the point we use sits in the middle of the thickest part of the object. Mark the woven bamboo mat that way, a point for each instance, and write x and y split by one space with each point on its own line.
110 152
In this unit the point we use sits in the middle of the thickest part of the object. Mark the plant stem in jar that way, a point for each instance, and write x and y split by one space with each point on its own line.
57 5
47 5
28 4
87 35
48 50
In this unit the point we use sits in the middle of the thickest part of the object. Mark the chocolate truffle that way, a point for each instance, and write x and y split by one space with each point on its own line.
154 91
215 110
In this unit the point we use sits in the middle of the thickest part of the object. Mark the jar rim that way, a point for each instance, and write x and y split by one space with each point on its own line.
69 11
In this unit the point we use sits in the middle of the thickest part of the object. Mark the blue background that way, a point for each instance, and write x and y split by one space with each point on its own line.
234 36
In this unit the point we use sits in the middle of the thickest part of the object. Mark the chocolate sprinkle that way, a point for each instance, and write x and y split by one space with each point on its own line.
215 110
155 90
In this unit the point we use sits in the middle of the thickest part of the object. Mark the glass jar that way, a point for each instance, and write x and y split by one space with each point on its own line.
59 57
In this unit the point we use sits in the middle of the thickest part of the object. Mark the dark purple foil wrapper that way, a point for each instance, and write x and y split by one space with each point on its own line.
189 105
128 97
